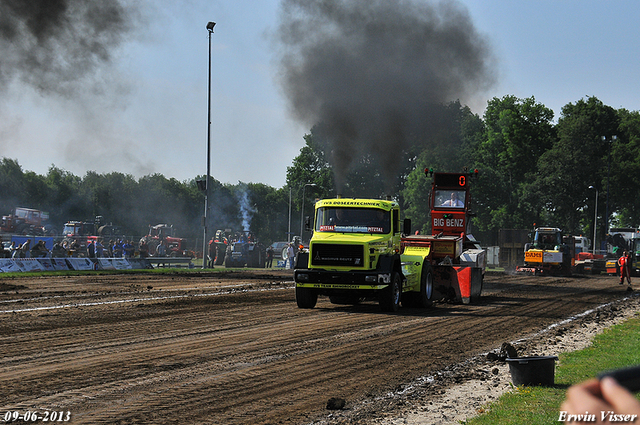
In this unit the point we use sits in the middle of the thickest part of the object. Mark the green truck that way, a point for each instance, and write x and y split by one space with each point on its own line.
360 250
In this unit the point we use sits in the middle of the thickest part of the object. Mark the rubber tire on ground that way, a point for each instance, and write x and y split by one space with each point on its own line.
425 299
306 298
389 297
262 259
220 255
23 229
476 298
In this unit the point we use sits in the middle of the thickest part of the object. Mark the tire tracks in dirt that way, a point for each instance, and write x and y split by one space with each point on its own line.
252 357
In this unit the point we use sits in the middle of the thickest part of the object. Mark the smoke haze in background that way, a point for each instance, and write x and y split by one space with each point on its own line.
65 52
56 45
373 75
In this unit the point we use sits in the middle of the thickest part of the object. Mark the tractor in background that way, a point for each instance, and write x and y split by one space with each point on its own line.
28 221
161 242
245 250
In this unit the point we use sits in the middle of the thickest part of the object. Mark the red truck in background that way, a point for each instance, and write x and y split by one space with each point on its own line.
27 221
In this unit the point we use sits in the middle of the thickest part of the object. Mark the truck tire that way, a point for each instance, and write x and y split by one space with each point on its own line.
426 287
23 229
220 254
306 298
389 298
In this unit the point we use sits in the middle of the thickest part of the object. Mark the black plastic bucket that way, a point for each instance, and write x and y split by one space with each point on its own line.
533 370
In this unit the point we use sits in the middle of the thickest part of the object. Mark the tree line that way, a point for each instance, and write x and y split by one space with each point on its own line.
532 170
134 204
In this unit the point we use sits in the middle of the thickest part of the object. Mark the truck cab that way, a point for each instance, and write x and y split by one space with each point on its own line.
354 254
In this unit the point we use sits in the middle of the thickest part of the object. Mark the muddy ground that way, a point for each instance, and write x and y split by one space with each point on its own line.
233 348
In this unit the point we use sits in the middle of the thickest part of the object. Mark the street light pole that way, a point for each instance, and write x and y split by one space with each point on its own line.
289 228
302 207
595 221
210 26
613 139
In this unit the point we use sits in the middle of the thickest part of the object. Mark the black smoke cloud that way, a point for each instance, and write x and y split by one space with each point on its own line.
53 45
69 52
372 76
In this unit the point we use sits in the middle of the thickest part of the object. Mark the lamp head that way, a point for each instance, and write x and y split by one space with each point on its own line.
210 26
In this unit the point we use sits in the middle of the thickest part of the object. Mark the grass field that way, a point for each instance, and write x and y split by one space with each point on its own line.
616 347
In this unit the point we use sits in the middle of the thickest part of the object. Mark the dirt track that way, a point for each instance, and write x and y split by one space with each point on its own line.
234 349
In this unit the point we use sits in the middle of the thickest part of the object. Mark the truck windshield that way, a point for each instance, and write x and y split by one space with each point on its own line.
547 240
353 220
69 230
449 198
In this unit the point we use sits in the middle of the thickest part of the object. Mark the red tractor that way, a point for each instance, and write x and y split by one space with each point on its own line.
27 221
160 242
78 234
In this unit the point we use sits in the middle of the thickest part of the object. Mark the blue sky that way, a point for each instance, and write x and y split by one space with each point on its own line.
150 116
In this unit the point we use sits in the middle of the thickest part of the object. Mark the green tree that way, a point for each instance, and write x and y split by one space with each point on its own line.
518 133
63 196
576 161
625 170
269 212
309 175
12 188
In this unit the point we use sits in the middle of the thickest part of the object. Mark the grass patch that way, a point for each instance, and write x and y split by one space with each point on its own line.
616 347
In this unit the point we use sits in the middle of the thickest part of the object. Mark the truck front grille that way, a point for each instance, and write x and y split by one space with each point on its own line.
337 255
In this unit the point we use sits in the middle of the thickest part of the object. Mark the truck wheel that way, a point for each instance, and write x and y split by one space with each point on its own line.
426 286
306 298
389 298
23 229
220 255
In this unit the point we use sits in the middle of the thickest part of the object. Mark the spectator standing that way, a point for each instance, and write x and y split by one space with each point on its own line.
25 249
118 249
143 247
624 263
291 254
211 255
13 249
269 257
91 249
58 251
161 250
39 250
128 249
17 250
99 249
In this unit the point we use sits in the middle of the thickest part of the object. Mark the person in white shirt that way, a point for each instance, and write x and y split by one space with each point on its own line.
453 202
